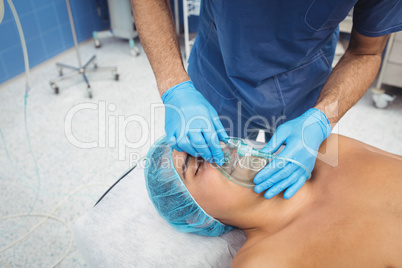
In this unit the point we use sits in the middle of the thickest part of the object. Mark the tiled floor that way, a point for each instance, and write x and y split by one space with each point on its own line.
82 146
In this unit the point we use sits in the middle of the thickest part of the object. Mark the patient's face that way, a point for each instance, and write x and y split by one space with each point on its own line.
213 191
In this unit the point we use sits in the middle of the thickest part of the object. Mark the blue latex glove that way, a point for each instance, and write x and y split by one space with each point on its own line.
303 137
192 124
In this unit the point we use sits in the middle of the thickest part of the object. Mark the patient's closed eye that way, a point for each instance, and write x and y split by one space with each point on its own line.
185 165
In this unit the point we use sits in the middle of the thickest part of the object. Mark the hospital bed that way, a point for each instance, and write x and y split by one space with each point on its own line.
124 230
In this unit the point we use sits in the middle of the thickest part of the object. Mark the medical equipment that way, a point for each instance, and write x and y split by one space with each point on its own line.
124 230
190 8
243 162
171 198
27 89
37 187
81 69
121 25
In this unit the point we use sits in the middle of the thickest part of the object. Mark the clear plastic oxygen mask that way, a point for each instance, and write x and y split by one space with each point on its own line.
243 162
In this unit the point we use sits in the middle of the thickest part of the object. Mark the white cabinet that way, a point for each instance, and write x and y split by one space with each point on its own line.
391 70
393 66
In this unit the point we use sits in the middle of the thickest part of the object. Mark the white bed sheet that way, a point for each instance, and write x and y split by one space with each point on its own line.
124 230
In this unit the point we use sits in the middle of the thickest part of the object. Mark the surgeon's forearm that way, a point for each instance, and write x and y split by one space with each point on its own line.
347 83
154 21
352 76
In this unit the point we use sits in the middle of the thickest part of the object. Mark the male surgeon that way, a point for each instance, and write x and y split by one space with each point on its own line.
265 65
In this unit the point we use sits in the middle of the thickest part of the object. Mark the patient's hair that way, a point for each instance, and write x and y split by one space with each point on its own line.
171 198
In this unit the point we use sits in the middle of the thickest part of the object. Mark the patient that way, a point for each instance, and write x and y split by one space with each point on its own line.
347 215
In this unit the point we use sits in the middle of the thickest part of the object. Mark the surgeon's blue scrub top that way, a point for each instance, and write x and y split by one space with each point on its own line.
268 60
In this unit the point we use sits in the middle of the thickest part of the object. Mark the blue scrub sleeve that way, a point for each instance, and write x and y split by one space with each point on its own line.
377 18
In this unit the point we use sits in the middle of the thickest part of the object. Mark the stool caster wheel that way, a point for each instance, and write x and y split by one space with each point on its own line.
89 92
116 77
381 100
55 88
135 51
97 43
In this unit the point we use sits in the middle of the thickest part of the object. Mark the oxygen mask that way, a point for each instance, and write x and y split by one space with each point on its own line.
243 162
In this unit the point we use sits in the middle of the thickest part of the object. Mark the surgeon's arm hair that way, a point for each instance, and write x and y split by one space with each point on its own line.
352 76
154 21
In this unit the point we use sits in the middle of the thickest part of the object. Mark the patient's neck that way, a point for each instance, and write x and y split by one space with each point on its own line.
269 216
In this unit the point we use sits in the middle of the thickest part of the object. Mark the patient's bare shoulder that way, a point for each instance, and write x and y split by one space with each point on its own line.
376 150
264 253
348 154
343 145
347 164
255 257
245 260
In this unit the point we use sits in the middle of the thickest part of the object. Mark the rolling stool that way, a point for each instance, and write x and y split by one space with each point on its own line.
81 69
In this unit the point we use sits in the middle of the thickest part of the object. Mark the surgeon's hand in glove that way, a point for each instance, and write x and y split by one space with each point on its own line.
303 137
192 124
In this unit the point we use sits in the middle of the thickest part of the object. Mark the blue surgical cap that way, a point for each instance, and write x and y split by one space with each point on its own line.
171 198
